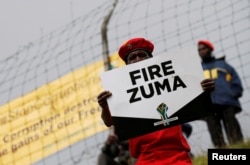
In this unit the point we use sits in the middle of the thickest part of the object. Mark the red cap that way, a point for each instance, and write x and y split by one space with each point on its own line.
135 44
206 43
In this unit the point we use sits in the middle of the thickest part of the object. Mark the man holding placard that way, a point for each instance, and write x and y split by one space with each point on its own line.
164 143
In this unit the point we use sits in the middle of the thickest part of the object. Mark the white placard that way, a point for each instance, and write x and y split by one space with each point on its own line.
138 89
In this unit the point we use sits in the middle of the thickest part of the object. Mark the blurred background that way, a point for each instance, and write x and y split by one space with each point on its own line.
52 53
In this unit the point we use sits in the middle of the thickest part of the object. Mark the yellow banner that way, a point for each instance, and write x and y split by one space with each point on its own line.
52 117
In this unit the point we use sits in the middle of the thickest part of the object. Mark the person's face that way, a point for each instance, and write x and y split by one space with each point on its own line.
137 55
204 51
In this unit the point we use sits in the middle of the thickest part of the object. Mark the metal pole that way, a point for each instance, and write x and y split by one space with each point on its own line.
105 46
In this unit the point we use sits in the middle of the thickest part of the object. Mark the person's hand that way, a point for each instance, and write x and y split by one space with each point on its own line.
102 101
208 85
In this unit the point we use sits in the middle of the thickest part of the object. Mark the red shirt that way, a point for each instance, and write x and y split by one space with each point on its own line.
167 146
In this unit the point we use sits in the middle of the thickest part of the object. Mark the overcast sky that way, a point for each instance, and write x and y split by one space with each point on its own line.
24 21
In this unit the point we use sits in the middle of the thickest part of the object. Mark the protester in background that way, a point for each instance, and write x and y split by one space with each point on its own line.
167 146
114 152
225 97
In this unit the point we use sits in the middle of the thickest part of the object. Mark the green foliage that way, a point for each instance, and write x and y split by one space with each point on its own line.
200 160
